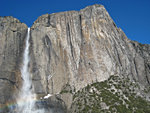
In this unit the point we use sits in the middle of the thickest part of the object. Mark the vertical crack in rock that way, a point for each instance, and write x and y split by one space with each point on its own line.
77 47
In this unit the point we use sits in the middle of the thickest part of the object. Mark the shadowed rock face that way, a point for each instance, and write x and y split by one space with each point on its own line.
81 47
72 48
52 105
12 35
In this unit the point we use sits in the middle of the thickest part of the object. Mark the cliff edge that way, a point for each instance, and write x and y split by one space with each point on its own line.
70 51
12 36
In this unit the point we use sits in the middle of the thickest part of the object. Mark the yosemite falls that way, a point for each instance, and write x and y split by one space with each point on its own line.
72 62
27 98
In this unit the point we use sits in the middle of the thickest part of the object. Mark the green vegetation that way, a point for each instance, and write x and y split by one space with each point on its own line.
66 89
113 95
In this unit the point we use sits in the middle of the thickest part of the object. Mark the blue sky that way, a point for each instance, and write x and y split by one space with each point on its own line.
132 16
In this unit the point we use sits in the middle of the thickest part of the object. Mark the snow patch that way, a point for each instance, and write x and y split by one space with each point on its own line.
47 96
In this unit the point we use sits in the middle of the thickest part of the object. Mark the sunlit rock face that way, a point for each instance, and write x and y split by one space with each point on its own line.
81 47
68 51
12 36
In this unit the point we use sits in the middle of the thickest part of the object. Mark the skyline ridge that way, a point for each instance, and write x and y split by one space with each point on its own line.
132 17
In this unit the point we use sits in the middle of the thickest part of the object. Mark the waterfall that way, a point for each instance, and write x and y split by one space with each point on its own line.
27 98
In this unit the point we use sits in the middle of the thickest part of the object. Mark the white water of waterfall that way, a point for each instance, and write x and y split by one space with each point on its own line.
27 98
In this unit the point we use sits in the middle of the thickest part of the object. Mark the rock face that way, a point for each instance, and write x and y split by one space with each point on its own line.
12 36
69 50
81 47
52 105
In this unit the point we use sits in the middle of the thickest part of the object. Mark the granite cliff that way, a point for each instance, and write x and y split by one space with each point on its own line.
12 36
78 48
70 51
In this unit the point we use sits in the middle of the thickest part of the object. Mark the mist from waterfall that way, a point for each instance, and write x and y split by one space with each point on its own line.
27 98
